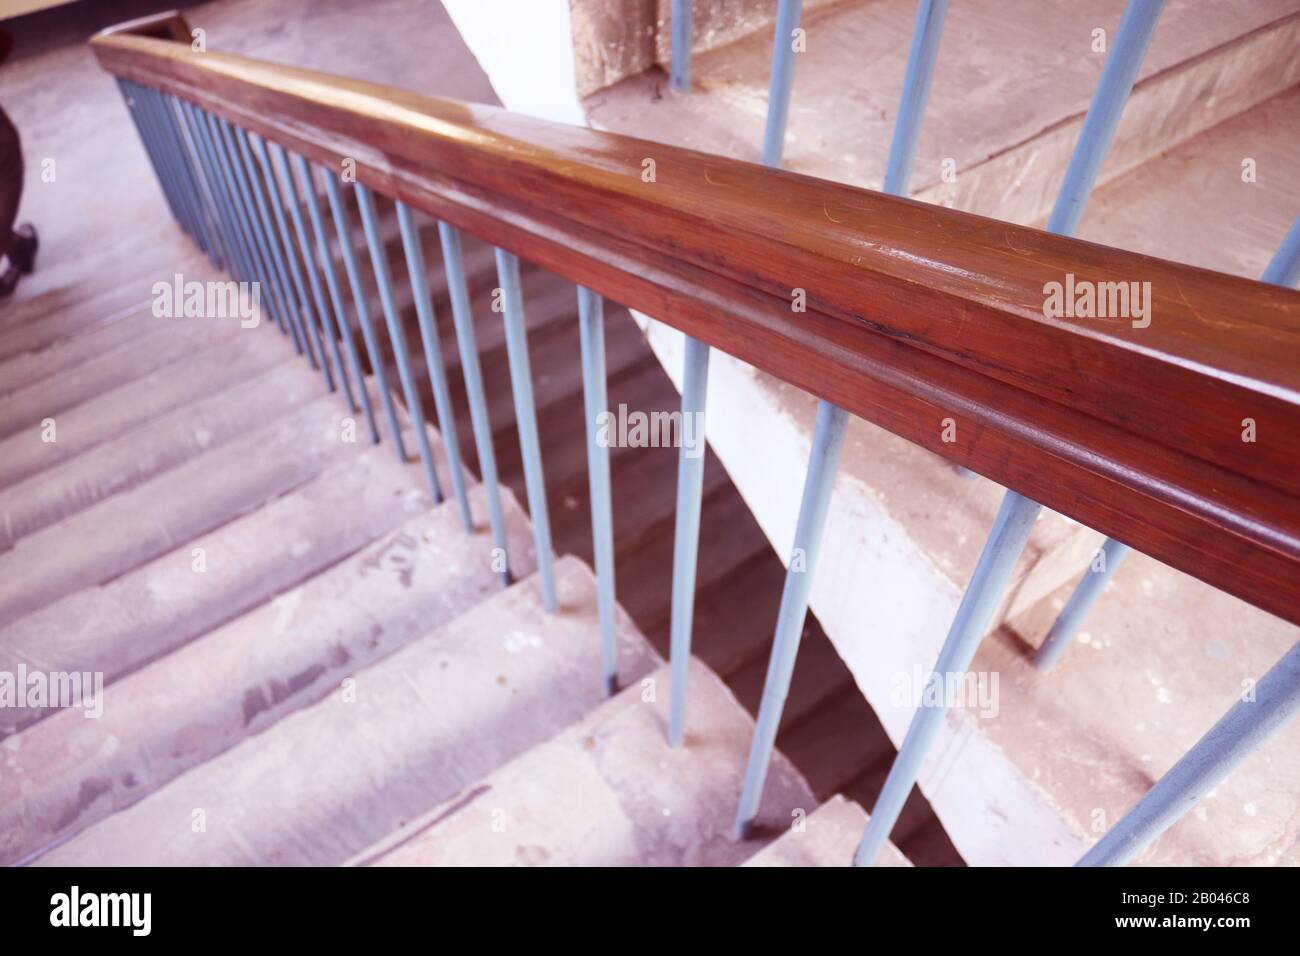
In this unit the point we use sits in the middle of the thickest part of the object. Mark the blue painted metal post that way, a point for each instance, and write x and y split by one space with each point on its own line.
1283 269
679 74
242 211
276 197
595 400
344 230
266 262
778 94
1017 513
1085 595
828 438
253 176
140 106
521 383
396 335
433 357
313 280
458 290
1011 530
820 480
235 258
336 296
686 533
207 190
1243 730
185 160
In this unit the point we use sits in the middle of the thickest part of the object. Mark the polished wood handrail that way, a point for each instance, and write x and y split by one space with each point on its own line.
915 313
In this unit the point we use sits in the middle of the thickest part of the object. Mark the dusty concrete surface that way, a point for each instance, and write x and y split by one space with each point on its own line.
827 837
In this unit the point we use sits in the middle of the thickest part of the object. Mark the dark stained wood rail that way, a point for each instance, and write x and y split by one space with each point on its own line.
915 313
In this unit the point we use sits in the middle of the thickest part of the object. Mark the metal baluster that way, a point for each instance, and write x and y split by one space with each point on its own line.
336 296
166 159
827 442
204 201
186 163
344 230
254 176
1284 269
278 200
280 300
595 400
686 533
171 149
294 203
778 95
1241 731
140 110
458 289
1017 513
679 75
521 383
414 249
396 335
239 211
221 214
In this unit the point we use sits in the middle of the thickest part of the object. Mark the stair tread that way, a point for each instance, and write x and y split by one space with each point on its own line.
236 680
103 416
609 791
828 837
364 766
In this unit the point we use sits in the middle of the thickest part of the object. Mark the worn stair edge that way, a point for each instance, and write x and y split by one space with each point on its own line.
418 726
120 626
167 344
827 837
66 773
88 548
609 791
100 418
152 449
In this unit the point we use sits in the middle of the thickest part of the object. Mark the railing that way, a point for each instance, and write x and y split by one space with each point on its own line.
914 314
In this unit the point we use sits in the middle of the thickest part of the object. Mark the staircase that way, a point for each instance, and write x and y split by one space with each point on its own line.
304 659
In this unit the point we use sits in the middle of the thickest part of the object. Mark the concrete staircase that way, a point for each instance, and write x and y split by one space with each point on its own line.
1204 139
304 660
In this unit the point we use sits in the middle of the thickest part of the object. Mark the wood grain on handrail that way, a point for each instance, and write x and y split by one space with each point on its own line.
915 313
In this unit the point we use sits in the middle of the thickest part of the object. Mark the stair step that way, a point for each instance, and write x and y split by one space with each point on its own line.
47 397
609 791
22 370
322 784
151 449
828 837
66 773
95 545
120 626
104 416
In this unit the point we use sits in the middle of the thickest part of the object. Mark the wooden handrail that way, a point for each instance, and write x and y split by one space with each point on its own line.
915 313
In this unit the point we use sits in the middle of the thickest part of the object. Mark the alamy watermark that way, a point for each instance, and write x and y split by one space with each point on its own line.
208 300
40 690
922 688
637 429
1085 299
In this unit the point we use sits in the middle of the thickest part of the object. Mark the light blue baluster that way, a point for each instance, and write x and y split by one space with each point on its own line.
212 198
253 176
236 259
679 74
1283 270
187 163
521 383
686 533
458 289
1243 730
293 203
828 439
139 102
278 201
241 211
266 267
336 296
595 400
397 335
344 230
1017 513
433 356
778 94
